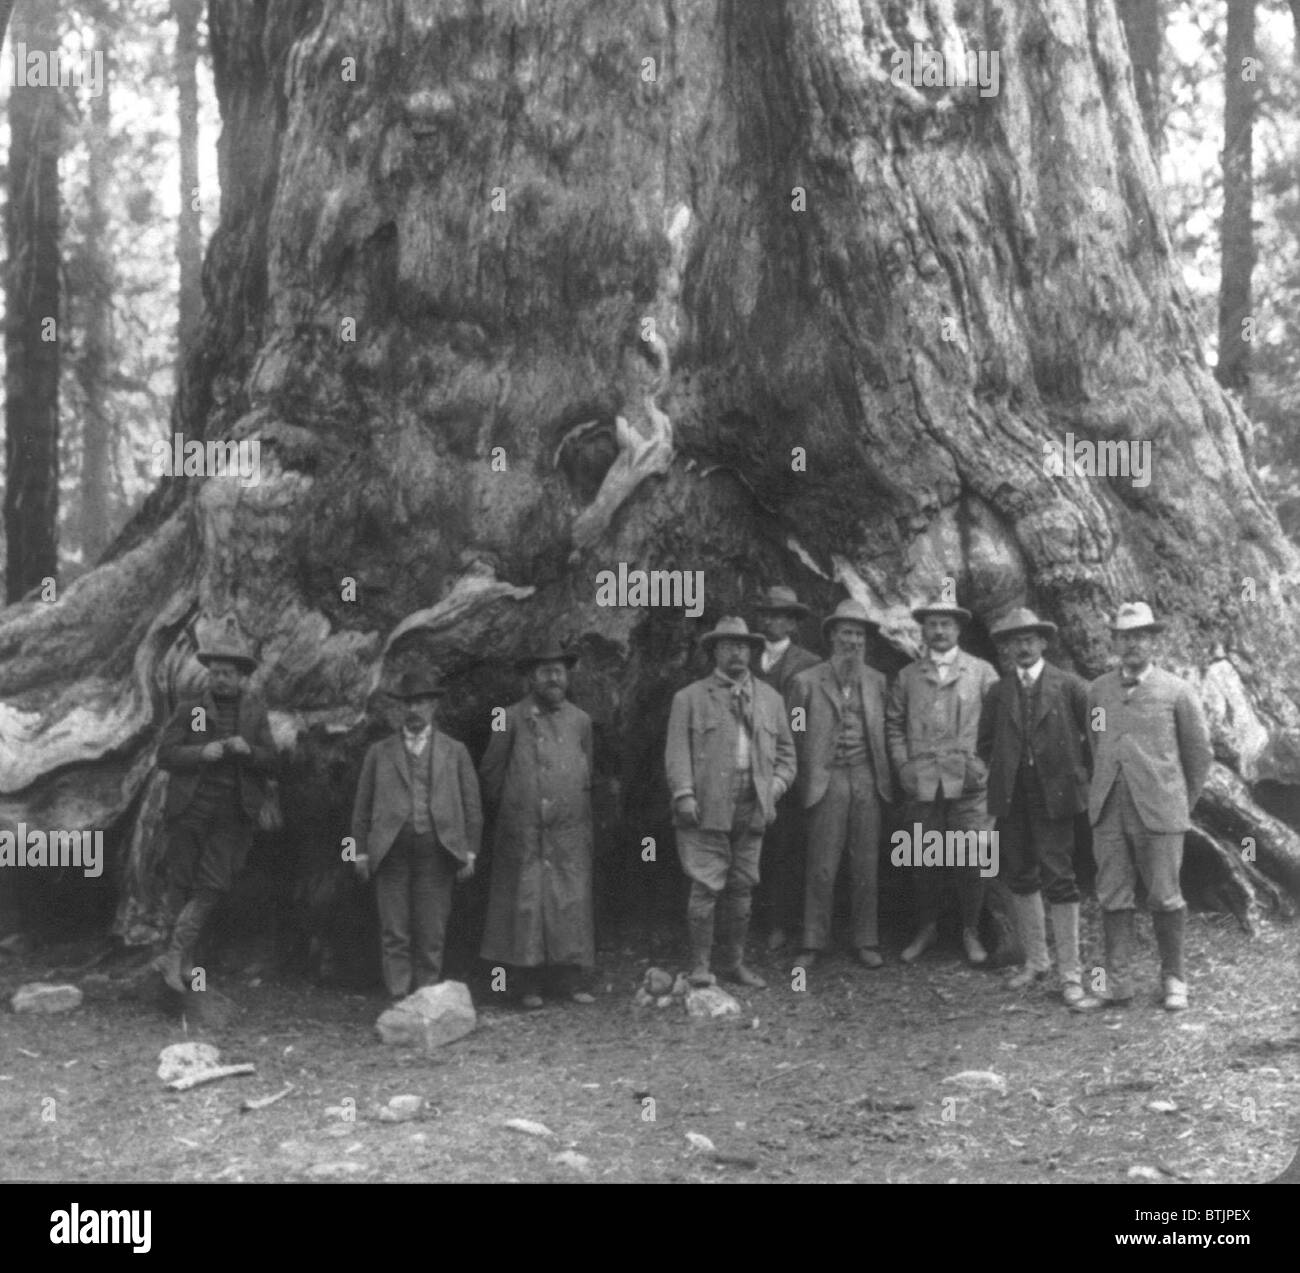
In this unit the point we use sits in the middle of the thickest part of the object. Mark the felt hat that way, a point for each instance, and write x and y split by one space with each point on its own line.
781 600
221 639
730 628
1136 616
1022 620
936 605
546 652
418 684
849 612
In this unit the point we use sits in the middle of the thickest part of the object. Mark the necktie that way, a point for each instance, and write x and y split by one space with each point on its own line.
742 704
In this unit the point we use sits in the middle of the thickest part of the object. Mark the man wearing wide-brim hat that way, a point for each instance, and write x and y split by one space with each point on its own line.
729 758
417 824
932 728
219 752
779 898
537 774
1151 755
1033 736
843 777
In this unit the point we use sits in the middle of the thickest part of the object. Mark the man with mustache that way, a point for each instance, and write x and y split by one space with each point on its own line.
843 776
1033 735
537 773
729 758
932 724
417 822
1151 756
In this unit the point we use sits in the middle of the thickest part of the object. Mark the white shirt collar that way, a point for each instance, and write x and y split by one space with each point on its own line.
946 659
1029 676
1141 676
772 652
416 742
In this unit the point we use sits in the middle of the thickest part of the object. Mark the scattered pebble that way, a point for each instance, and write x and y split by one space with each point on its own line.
528 1127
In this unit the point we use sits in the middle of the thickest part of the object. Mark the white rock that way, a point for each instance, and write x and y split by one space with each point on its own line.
980 1080
183 1059
41 996
643 998
432 1016
658 982
328 1169
1144 1173
701 1142
528 1127
711 1001
1162 1107
663 1001
681 987
401 1109
578 1162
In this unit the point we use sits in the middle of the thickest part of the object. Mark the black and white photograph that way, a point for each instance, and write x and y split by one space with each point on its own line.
651 592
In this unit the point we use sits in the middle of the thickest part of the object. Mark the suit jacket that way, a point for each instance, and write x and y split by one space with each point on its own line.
817 691
1158 739
383 799
700 755
794 659
179 753
932 729
1058 741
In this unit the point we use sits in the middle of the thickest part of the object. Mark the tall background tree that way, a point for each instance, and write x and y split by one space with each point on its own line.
32 313
1237 234
189 236
509 295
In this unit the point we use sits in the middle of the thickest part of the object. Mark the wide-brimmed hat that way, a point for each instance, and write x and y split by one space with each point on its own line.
849 612
779 600
937 605
1022 620
418 684
1136 616
547 652
222 639
730 628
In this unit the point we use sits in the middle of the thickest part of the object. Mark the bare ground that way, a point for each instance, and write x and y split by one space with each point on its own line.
845 1081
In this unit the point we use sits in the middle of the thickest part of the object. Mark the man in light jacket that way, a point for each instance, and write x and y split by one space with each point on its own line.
1151 756
729 758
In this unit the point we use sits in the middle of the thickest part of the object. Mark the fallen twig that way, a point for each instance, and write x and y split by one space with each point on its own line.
262 1102
780 1074
210 1076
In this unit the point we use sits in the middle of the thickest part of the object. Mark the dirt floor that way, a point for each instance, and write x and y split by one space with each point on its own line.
851 1079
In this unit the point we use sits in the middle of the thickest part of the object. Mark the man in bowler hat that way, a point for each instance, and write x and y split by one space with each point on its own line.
417 823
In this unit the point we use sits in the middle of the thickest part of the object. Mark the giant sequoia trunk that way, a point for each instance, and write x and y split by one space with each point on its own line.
514 292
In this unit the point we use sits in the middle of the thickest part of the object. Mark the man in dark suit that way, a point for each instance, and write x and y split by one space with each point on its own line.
1033 736
1151 755
780 892
729 758
417 823
219 752
843 776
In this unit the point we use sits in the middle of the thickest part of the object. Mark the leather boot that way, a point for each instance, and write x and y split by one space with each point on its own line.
185 937
1120 932
699 926
1170 927
735 904
1065 933
1032 928
925 937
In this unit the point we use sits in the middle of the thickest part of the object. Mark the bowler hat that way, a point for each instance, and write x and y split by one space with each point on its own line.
546 652
780 600
1136 616
730 628
418 684
849 612
1022 620
221 639
938 606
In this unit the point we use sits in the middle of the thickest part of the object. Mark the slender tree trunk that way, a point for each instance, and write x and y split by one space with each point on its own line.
93 366
31 317
189 230
1236 231
1144 28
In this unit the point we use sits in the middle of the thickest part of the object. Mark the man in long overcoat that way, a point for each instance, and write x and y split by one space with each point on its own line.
537 773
